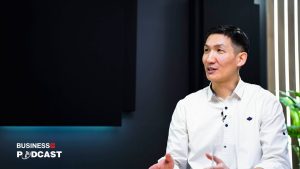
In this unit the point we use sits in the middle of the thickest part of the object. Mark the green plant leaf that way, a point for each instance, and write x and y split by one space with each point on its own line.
297 150
287 101
294 131
295 117
295 93
283 94
297 106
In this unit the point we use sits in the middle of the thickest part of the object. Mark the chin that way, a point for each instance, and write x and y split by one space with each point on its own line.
212 78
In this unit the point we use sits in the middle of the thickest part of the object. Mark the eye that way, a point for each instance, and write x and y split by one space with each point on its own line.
205 50
220 51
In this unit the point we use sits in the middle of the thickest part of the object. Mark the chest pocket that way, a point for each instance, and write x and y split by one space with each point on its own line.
248 127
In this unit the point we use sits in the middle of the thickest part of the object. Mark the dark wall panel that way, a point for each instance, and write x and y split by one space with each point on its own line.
162 79
67 62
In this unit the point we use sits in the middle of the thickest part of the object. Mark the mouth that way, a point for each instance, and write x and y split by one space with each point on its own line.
211 70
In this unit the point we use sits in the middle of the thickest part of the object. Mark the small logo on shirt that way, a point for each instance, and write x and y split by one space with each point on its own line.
249 118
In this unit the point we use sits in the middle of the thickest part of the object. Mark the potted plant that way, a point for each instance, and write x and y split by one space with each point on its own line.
291 99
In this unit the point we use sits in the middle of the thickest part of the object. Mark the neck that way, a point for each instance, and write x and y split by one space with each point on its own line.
225 89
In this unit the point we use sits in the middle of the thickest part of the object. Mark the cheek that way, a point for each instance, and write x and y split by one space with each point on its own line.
203 59
221 58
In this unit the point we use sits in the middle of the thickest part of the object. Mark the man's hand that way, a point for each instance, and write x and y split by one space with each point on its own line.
219 163
167 163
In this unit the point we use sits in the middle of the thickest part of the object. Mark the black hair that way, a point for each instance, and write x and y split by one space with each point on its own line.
237 36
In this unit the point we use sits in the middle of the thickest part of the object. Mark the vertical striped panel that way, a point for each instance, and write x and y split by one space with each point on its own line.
283 47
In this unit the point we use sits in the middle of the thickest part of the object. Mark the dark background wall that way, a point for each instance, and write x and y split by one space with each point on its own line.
162 78
245 14
67 57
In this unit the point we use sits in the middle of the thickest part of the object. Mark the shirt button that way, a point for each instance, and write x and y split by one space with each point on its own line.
225 146
226 107
226 125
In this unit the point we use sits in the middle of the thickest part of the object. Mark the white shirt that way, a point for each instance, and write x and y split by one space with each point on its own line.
252 123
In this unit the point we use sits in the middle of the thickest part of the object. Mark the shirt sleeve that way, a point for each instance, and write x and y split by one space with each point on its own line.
177 144
273 136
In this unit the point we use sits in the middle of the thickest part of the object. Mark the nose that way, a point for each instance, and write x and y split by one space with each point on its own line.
211 57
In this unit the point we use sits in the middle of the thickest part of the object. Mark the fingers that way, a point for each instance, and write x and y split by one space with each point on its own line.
167 163
209 156
168 158
214 158
219 163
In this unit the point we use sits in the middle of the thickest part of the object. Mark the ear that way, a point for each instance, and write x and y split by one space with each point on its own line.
241 59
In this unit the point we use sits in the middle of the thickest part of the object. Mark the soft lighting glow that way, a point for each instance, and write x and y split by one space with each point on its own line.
286 55
276 48
286 64
57 128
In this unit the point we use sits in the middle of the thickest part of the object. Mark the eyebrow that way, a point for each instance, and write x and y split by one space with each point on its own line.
217 45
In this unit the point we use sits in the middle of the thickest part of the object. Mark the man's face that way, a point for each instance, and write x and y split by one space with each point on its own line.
220 59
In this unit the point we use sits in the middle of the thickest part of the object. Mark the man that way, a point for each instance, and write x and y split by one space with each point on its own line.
243 120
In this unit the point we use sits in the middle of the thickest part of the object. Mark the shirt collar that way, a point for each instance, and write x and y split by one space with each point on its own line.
237 92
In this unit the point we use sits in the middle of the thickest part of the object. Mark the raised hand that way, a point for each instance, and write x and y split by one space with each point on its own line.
167 163
219 163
